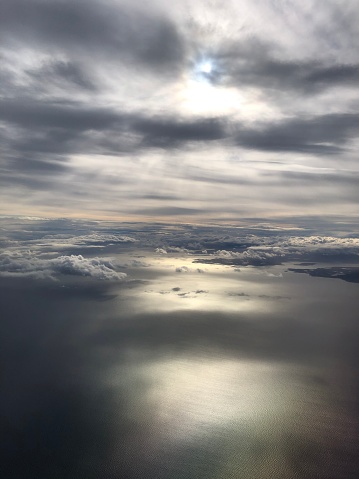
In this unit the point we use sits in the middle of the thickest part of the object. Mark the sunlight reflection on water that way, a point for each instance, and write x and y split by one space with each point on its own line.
192 395
252 418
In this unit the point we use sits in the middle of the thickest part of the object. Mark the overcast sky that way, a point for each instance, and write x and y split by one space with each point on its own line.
202 111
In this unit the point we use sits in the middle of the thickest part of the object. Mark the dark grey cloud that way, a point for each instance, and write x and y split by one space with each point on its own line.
317 135
7 80
38 164
333 75
63 73
166 132
89 28
287 76
64 124
39 136
262 63
33 172
69 116
63 120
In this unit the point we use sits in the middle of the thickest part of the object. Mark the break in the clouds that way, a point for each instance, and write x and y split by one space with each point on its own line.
202 111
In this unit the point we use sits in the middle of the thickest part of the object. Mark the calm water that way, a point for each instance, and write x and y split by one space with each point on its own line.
214 373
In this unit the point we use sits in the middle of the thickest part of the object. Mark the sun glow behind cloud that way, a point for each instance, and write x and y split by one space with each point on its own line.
201 97
206 67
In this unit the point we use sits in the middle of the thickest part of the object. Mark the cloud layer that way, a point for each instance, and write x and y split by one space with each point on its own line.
107 110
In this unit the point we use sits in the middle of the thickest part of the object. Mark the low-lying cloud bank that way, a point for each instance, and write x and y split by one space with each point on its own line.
34 247
266 251
94 239
26 263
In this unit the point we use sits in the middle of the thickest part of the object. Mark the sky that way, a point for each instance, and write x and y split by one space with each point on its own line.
197 112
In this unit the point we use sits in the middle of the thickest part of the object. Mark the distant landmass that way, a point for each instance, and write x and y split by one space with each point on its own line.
350 274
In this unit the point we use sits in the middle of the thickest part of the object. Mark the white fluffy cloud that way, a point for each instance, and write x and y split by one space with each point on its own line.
185 269
26 263
160 251
280 246
268 250
182 269
99 268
